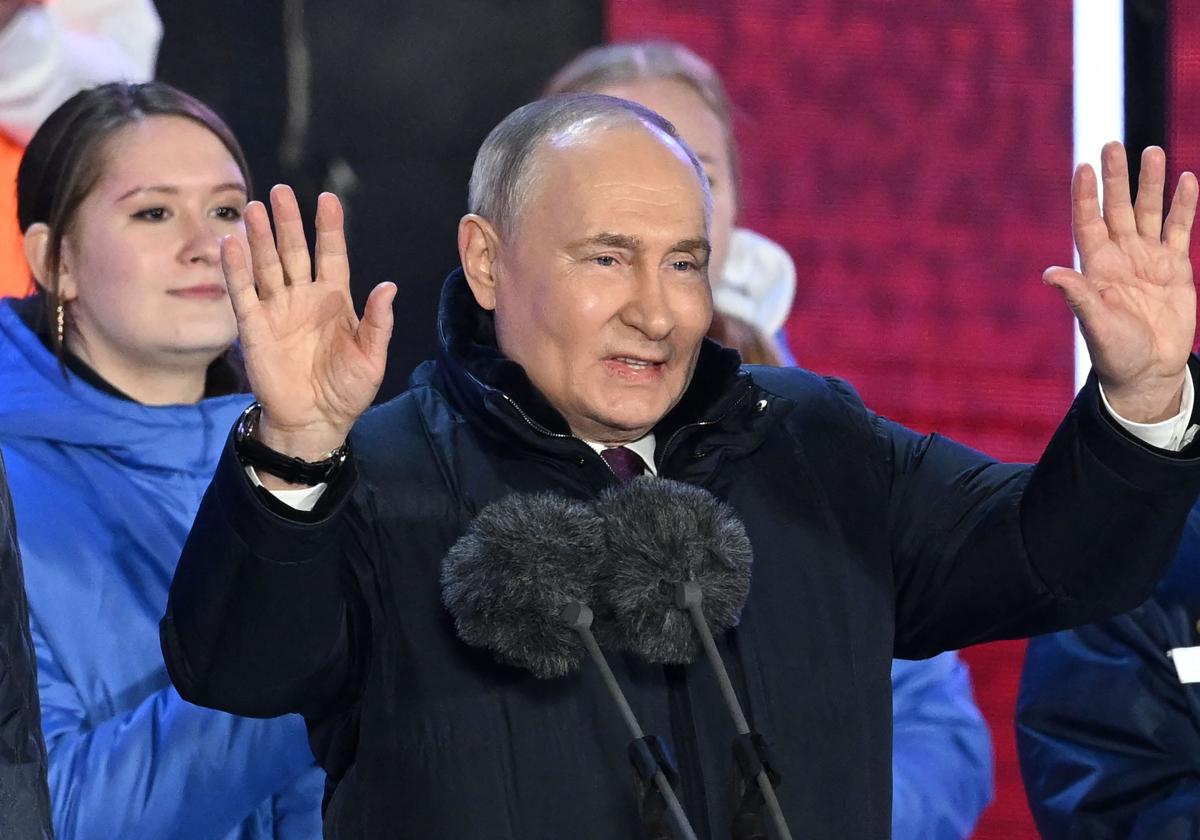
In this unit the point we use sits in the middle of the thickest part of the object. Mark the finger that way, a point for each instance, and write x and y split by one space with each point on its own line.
333 264
289 235
1118 210
268 273
1088 228
1076 288
1177 231
1148 205
238 278
375 329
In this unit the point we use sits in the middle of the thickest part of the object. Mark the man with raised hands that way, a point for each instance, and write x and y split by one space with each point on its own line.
310 581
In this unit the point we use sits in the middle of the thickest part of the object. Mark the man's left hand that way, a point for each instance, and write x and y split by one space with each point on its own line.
1135 298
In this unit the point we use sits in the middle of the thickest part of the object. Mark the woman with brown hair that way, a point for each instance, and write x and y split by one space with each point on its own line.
119 381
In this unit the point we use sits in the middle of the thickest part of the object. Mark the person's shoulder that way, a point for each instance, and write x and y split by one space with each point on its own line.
806 389
387 423
403 426
1181 585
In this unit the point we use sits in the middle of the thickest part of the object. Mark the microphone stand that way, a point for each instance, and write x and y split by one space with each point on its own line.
748 747
644 755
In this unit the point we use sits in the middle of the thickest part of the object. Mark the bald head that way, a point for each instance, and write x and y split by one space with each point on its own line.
510 161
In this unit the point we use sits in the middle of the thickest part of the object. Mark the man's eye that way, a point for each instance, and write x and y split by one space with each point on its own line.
683 265
229 214
605 260
151 214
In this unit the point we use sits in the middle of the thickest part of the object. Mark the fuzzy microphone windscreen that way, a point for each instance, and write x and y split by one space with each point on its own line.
660 533
508 577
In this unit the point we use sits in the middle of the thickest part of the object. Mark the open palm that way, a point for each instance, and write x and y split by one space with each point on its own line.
1134 297
312 363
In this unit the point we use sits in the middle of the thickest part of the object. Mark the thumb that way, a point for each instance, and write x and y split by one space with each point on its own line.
375 329
1074 287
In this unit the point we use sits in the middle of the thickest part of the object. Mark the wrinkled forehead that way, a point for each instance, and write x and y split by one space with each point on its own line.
592 159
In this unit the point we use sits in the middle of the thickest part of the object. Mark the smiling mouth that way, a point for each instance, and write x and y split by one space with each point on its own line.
206 292
636 363
632 367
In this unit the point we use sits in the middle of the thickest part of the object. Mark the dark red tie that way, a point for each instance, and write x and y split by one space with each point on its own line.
625 463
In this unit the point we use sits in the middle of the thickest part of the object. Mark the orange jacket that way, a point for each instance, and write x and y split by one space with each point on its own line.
14 272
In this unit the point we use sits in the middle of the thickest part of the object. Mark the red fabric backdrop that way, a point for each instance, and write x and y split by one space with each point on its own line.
1183 96
915 159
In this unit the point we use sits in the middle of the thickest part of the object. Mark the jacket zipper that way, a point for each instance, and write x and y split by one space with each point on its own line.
702 423
533 424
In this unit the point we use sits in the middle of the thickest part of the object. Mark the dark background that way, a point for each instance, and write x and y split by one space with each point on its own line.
388 104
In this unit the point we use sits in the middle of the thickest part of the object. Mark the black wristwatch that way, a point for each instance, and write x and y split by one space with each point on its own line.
252 452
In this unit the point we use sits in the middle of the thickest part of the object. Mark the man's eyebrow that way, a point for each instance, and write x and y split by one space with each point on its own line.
167 190
701 245
611 240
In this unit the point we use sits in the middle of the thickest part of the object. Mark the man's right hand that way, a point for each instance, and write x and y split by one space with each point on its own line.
312 363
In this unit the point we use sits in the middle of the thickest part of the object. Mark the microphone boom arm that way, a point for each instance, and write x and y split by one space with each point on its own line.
579 618
688 596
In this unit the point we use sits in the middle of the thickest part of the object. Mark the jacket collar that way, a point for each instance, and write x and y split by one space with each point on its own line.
504 402
41 406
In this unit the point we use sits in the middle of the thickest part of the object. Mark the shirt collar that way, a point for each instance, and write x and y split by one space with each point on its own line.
644 447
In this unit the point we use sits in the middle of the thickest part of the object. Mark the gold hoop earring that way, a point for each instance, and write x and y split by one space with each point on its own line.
60 322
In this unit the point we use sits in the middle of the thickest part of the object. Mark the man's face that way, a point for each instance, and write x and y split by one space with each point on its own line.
602 293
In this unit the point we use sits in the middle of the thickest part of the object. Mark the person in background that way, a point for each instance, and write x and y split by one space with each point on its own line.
119 379
1108 717
24 800
941 752
48 51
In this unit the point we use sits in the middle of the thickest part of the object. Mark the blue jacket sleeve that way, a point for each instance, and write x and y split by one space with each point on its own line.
165 768
297 808
1107 735
941 752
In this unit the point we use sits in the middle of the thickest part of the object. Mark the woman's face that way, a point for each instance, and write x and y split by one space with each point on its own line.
702 130
141 268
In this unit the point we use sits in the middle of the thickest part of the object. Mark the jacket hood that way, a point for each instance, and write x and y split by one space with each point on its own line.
41 402
481 378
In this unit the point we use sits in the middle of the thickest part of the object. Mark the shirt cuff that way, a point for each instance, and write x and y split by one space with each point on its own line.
304 499
1173 434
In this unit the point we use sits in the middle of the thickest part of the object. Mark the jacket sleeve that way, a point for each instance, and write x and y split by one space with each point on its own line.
1108 737
984 551
297 808
165 769
24 800
941 751
282 639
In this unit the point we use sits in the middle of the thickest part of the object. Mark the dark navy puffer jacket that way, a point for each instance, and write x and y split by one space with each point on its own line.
869 541
24 797
1108 731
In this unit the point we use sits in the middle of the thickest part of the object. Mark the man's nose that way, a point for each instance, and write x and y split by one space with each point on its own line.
649 307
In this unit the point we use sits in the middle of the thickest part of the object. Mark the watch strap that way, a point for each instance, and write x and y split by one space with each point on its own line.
252 452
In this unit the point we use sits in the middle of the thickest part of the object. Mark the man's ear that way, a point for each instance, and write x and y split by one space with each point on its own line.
36 244
478 249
